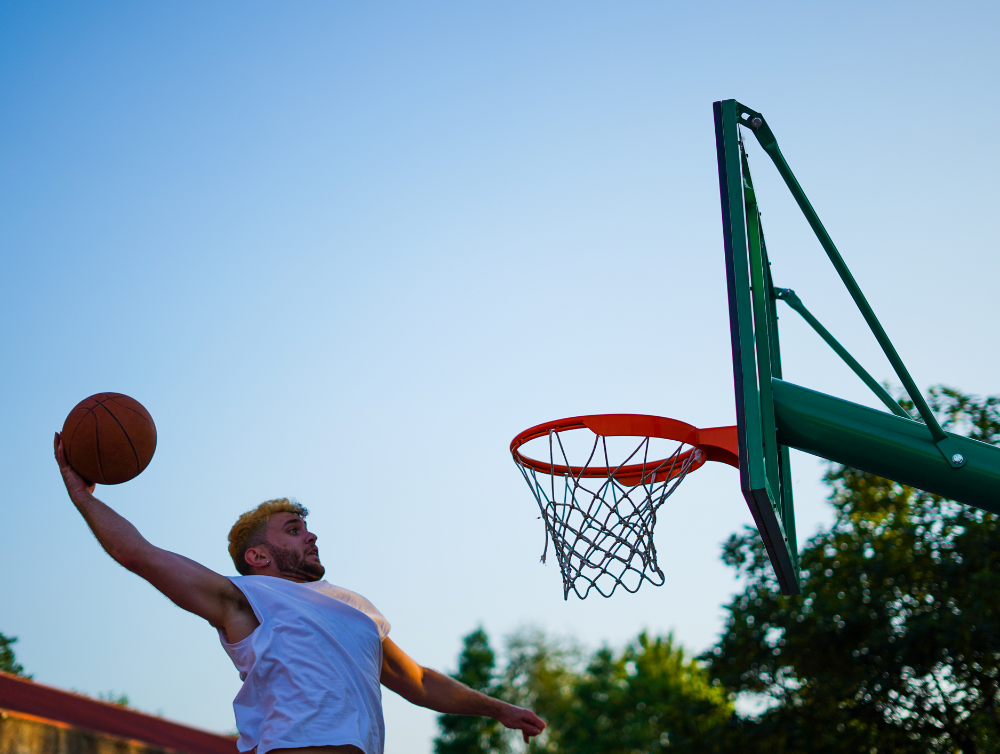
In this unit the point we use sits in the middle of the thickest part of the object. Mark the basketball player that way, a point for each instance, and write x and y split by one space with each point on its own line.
311 655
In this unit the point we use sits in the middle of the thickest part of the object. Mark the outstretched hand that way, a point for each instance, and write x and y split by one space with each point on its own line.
524 720
75 484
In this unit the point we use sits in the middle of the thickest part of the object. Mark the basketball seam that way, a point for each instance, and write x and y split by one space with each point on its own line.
68 444
124 432
97 449
143 416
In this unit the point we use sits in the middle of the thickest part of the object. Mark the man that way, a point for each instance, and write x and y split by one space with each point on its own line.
311 655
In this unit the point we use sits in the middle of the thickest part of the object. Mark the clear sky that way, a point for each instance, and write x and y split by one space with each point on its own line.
344 252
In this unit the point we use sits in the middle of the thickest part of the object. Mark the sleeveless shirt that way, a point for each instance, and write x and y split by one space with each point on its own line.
311 669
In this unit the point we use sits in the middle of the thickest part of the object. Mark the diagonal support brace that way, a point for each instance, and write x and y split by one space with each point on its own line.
765 137
789 297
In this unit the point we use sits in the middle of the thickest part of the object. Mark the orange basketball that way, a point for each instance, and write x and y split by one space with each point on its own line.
109 438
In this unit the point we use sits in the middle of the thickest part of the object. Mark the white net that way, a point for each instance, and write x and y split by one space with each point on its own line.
600 515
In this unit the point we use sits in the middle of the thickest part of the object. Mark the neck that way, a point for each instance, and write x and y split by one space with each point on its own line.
298 575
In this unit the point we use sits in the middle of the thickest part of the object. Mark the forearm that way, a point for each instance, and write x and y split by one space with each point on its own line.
443 694
438 692
119 538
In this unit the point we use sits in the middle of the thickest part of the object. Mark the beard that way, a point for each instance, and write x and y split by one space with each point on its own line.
293 565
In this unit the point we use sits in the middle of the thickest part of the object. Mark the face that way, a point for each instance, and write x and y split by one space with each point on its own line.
293 548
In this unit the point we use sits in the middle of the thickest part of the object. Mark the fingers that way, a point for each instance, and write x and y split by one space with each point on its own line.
533 722
70 477
525 721
530 725
60 451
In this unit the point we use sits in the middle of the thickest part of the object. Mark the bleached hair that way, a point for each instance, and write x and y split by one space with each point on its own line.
250 529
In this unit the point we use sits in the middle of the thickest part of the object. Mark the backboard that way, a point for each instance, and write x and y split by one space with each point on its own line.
764 464
774 415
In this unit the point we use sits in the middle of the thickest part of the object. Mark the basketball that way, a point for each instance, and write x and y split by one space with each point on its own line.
109 438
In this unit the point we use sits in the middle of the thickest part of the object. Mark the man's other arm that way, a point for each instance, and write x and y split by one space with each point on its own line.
428 688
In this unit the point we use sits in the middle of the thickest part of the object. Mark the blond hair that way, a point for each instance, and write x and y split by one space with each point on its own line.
250 529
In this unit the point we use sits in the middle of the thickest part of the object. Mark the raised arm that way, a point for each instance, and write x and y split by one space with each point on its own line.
186 583
438 692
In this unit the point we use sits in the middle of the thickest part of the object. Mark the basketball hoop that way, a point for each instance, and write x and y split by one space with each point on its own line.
600 506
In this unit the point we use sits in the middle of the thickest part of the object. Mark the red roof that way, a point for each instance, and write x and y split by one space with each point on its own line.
21 695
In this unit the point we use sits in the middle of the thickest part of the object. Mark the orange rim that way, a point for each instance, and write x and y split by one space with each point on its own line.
718 444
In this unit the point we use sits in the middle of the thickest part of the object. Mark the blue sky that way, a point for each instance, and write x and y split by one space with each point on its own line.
345 253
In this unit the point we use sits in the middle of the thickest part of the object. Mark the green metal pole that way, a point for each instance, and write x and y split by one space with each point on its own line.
886 445
756 123
788 296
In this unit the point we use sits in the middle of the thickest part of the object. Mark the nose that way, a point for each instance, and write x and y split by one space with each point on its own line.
311 538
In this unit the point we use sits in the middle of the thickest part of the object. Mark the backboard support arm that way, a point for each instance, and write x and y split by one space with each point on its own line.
758 125
886 445
789 297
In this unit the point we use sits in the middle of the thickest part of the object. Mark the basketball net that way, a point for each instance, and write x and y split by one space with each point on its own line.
600 516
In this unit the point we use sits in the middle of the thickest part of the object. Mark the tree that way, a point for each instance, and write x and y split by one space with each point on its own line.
8 662
113 697
541 672
648 697
461 734
894 644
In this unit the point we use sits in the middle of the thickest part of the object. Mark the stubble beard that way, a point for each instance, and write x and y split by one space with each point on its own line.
294 566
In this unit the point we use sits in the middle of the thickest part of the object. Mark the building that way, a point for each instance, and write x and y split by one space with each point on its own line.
39 719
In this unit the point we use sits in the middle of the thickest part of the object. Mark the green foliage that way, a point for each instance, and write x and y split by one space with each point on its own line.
113 697
8 662
649 697
540 673
894 644
461 734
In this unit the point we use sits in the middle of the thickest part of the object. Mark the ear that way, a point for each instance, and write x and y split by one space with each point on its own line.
258 557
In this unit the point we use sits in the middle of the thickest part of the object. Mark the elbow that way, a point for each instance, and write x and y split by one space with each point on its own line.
410 686
128 558
425 687
126 561
415 691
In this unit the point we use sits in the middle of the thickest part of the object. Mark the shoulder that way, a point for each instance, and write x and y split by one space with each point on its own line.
343 595
355 600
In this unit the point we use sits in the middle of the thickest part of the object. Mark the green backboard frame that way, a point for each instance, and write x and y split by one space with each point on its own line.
765 476
774 415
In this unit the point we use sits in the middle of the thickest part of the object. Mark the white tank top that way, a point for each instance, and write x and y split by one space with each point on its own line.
311 668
